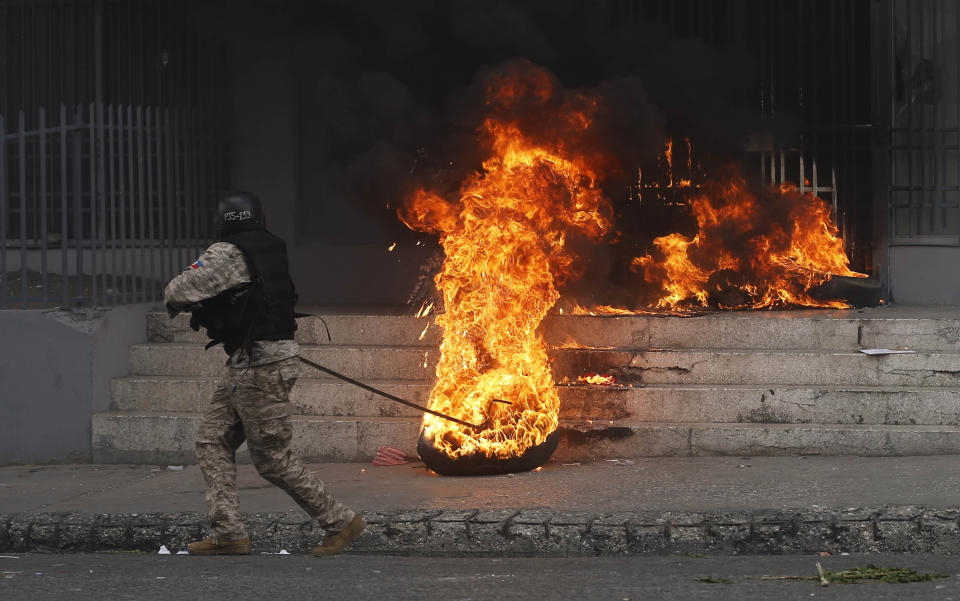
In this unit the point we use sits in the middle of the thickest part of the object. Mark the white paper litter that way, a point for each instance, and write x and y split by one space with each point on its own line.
175 468
163 550
280 552
885 351
183 552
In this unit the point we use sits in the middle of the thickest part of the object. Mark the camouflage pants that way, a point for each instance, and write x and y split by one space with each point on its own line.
253 404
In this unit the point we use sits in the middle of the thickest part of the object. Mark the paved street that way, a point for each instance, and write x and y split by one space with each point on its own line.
651 484
358 578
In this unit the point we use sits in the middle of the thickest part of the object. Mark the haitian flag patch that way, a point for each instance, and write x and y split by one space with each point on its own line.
196 265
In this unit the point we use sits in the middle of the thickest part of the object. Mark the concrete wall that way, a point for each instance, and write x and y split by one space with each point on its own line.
926 275
55 371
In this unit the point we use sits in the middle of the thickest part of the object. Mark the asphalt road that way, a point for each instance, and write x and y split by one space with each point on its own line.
281 577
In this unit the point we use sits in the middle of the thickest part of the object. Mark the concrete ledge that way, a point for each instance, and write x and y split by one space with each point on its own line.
521 532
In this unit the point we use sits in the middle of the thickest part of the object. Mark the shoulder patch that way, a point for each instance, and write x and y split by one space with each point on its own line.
196 265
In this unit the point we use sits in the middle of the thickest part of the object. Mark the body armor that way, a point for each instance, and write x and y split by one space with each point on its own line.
260 310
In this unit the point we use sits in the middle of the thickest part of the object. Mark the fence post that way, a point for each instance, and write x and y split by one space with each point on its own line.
3 213
43 204
147 150
112 194
122 203
22 147
102 202
92 196
142 232
77 200
64 229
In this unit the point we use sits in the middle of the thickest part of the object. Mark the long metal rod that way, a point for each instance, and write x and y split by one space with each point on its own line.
387 395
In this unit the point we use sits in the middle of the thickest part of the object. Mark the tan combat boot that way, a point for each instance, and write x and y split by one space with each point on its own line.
212 546
335 543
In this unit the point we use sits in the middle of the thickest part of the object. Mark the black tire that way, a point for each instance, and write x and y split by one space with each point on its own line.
481 465
859 292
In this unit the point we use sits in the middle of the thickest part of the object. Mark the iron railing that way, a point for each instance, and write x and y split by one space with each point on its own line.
102 204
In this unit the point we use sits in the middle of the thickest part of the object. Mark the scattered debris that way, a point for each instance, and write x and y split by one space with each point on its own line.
620 462
743 465
823 579
183 552
886 351
387 455
163 550
175 468
280 552
824 553
709 580
571 464
858 575
883 574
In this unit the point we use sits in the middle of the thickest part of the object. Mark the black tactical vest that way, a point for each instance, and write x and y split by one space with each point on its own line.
261 310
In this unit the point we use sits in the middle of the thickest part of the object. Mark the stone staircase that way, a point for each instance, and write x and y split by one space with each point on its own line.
746 383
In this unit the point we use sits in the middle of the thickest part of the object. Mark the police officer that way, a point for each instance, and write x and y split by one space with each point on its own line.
240 291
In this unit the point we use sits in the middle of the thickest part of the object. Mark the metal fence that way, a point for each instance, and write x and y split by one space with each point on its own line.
102 204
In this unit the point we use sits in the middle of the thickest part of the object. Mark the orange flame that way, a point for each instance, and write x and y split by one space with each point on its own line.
598 379
787 245
504 236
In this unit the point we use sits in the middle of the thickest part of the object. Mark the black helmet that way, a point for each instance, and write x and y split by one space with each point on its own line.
238 211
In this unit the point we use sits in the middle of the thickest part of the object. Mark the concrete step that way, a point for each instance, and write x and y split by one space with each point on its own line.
361 362
357 330
826 330
653 403
167 438
656 366
777 367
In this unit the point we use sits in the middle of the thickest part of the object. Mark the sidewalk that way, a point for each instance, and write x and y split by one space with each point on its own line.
650 505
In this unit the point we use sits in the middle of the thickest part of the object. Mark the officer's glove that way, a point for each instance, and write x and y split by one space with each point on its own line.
195 311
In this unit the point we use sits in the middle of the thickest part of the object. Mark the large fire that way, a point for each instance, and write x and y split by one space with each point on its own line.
748 252
505 235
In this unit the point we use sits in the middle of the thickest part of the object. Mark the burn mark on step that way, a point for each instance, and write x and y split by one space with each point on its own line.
585 435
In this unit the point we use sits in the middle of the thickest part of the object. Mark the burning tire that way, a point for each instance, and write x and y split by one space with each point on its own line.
859 292
481 465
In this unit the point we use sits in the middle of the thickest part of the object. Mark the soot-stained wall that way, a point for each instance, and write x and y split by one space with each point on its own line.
341 109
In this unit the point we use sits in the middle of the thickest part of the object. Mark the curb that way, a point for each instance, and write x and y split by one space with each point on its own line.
524 532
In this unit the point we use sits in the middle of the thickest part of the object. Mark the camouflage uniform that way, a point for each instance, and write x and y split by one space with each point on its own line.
252 403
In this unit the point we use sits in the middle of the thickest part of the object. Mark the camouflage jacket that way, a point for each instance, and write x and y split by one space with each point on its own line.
219 268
